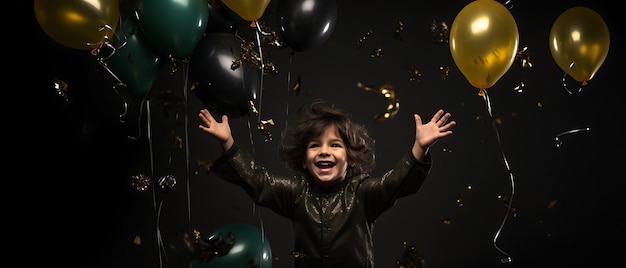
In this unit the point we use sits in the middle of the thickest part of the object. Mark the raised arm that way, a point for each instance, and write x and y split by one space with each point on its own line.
427 134
221 131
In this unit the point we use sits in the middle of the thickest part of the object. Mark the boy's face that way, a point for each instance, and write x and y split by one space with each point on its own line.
326 158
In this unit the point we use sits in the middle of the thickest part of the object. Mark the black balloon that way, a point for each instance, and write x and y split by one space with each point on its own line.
306 24
223 87
221 19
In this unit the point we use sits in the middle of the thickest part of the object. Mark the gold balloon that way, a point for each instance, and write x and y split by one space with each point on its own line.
579 42
78 24
250 10
483 42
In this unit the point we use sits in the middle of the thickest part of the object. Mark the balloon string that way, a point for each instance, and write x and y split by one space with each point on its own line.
119 83
149 136
96 46
558 136
160 246
102 61
507 3
506 259
258 40
487 102
565 83
250 137
159 238
254 206
254 210
144 100
288 87
124 105
96 51
188 190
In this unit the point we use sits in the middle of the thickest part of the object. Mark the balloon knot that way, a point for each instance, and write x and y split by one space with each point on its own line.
481 92
253 24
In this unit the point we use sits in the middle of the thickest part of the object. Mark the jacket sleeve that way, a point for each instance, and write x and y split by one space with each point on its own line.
238 167
406 178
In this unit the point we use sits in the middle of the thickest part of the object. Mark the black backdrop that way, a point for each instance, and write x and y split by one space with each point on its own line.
79 156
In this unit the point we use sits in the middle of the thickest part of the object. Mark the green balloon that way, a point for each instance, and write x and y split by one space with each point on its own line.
172 25
135 61
250 248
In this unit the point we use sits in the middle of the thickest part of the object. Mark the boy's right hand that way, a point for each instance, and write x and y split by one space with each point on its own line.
221 131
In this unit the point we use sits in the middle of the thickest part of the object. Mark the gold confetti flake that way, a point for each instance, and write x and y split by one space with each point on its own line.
552 203
297 86
172 106
504 199
387 91
377 53
176 142
520 88
445 72
362 39
251 56
167 183
253 108
203 165
397 33
296 255
263 128
141 182
61 88
414 74
204 250
441 33
137 240
173 63
411 257
269 37
523 58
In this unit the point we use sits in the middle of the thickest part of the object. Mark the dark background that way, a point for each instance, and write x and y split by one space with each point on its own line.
79 156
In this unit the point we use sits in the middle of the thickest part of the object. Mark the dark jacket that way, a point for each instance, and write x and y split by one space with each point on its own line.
333 227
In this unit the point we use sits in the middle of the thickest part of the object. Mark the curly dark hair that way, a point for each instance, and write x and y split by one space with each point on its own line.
312 122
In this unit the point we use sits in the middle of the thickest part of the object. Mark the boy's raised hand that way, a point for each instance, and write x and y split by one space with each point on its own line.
221 131
427 134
